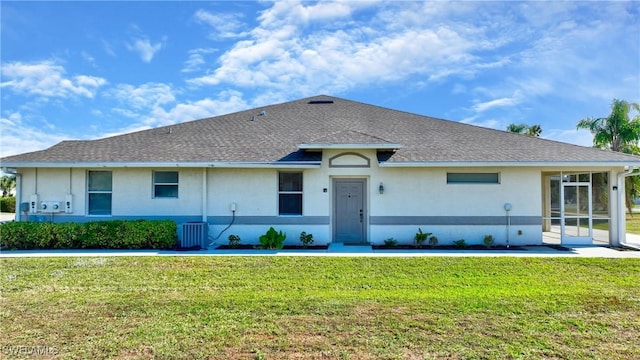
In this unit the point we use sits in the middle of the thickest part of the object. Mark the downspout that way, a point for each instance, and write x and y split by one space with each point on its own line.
204 195
622 214
18 196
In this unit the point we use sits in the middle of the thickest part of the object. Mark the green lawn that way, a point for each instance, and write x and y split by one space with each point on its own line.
633 224
309 307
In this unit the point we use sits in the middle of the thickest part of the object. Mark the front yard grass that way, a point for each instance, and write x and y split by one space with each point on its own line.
633 224
310 307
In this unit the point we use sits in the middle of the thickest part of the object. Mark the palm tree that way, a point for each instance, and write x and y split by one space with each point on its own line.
618 132
533 130
7 183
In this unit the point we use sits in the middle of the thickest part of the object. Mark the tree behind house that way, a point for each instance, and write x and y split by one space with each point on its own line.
531 130
7 184
618 132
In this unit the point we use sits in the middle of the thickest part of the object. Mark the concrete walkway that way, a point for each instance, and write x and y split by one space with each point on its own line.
4 217
341 250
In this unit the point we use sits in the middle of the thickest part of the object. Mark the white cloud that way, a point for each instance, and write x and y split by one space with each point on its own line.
126 130
145 96
88 58
227 102
196 59
572 53
224 25
296 47
151 105
487 123
459 89
47 78
20 137
108 48
501 102
284 13
572 136
144 48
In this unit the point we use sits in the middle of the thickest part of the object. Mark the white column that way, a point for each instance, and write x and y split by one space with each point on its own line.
546 202
620 213
613 207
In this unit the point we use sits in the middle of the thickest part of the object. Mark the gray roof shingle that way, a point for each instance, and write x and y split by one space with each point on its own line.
247 136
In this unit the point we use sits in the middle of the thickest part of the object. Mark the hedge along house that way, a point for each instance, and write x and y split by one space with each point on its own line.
342 170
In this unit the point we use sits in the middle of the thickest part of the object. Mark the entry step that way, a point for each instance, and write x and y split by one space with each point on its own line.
342 248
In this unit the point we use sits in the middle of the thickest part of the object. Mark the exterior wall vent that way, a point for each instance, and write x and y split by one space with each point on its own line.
321 102
195 234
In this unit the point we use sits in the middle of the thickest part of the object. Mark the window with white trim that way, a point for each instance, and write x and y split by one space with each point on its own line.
99 191
165 184
290 193
473 178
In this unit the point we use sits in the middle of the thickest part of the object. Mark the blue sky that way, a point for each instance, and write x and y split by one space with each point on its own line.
85 70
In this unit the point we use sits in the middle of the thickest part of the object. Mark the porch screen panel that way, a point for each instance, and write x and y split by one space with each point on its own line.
600 199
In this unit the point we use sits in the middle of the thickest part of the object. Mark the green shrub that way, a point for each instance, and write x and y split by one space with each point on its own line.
433 241
234 241
488 241
421 237
272 239
8 204
306 239
390 242
112 234
460 244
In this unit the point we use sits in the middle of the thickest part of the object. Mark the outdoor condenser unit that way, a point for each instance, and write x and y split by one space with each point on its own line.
195 234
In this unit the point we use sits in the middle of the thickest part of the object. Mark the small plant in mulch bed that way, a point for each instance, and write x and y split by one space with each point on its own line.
421 237
391 242
273 239
234 241
460 244
433 241
488 241
306 239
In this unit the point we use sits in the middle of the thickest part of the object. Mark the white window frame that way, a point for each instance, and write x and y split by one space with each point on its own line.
472 182
154 184
296 192
89 192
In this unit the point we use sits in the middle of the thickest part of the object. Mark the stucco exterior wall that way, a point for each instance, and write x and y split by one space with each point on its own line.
133 194
55 185
412 198
455 211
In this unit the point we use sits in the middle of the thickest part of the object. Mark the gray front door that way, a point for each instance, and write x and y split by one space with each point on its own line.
349 211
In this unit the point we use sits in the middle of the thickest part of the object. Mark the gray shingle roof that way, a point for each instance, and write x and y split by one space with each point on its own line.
247 136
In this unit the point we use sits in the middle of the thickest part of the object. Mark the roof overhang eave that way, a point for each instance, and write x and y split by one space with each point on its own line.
376 146
169 164
558 164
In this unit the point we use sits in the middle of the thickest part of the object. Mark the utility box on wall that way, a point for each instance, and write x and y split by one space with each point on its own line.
68 203
33 204
50 206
